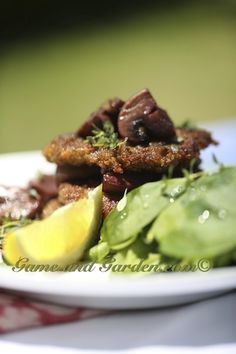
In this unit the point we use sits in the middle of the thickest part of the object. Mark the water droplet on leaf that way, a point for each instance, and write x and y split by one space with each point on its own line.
176 191
123 215
203 217
222 214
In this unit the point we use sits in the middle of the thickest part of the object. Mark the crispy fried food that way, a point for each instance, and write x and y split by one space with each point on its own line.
156 156
69 193
50 207
109 202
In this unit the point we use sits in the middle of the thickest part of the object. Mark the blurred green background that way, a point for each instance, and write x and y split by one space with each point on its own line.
58 62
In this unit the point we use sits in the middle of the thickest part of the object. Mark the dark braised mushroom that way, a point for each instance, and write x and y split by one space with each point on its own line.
132 114
118 183
141 119
114 183
108 111
96 118
159 125
112 108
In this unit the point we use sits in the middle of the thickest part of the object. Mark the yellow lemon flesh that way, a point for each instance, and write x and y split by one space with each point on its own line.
60 239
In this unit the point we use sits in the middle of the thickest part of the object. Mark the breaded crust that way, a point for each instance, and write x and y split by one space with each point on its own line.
68 149
69 193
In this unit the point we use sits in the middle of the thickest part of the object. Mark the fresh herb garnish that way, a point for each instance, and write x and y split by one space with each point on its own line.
106 137
217 162
187 124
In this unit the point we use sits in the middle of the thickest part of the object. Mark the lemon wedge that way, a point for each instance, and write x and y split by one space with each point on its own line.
59 239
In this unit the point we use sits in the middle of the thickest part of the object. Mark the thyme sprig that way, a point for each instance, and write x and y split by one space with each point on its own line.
188 124
105 137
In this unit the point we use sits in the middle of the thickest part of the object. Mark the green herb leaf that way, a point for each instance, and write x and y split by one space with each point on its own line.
187 124
202 222
106 137
121 227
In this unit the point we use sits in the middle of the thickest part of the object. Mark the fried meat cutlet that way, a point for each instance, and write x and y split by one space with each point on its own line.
69 149
123 145
69 193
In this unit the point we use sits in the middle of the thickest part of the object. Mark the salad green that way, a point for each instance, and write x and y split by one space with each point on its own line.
180 219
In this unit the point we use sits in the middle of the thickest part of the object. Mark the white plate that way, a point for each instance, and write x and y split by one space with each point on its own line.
99 289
